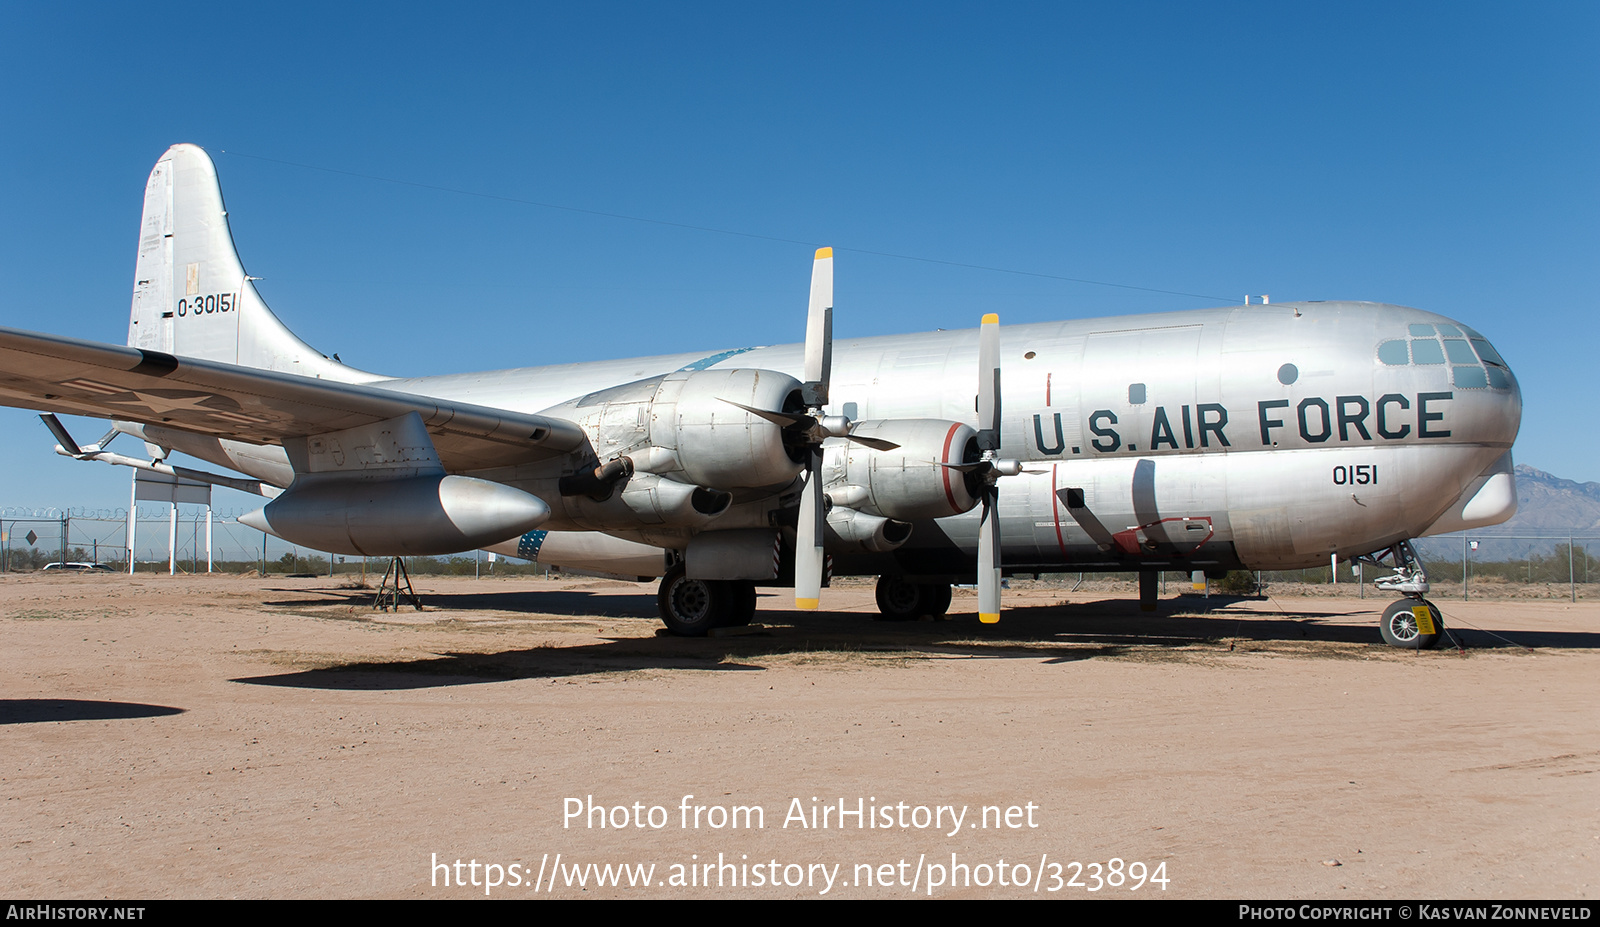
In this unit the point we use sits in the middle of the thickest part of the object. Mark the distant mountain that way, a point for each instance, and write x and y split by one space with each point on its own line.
1550 505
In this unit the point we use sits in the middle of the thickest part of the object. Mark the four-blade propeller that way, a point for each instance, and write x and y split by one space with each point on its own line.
808 431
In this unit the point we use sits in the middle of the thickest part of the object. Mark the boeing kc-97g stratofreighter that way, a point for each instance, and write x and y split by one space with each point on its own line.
1258 437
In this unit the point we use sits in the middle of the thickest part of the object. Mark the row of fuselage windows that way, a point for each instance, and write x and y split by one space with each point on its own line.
1462 350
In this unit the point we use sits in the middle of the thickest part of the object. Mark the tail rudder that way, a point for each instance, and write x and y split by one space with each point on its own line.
191 295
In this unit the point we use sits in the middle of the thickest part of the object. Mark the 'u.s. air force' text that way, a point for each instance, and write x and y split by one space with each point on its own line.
1343 419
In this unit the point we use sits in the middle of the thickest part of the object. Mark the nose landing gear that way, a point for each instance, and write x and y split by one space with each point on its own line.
1411 623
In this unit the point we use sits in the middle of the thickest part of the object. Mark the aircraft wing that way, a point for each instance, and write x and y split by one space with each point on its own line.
52 373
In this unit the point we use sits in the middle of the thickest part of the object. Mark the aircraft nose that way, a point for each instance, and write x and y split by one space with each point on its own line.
1489 369
1462 361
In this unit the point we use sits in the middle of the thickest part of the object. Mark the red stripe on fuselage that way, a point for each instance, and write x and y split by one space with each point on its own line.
949 494
1055 512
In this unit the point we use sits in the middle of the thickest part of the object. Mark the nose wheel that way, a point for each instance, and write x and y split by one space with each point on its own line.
1412 624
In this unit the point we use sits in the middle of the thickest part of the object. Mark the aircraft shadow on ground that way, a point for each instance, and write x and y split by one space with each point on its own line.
573 603
1089 630
33 710
1213 619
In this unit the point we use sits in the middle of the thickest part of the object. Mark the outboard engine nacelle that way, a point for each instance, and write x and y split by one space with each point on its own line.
688 426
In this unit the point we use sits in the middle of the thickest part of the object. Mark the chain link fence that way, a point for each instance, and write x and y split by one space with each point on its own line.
1493 566
33 539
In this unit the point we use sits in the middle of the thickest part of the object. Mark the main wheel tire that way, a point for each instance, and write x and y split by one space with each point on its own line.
691 607
898 599
1401 628
902 600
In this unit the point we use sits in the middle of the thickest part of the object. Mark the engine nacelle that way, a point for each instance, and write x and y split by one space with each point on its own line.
907 483
407 516
684 426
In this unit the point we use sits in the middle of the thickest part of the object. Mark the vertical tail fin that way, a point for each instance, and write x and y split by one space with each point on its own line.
191 296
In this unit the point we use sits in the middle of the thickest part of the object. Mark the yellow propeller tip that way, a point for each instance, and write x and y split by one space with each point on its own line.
990 318
824 253
806 605
989 618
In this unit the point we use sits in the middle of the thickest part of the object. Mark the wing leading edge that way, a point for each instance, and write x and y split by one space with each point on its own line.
52 373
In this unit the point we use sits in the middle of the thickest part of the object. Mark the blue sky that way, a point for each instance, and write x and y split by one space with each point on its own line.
1440 155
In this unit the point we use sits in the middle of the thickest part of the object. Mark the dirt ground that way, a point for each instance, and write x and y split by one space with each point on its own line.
228 737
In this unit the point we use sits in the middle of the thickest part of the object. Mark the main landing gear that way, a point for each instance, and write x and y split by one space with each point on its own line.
692 607
1411 623
899 599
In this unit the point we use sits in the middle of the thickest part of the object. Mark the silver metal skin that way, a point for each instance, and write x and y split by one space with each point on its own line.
1259 437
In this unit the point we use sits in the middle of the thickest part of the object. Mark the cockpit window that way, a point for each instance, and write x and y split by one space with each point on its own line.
1473 362
1487 352
1458 352
1394 353
1426 351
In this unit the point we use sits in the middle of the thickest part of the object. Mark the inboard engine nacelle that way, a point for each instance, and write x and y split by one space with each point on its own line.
408 516
910 482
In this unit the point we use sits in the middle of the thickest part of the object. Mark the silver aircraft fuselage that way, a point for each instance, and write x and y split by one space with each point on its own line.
1261 436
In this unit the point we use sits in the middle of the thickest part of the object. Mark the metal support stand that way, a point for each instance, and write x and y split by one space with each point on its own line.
396 586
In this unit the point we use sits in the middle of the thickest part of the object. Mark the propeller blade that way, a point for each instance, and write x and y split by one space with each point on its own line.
781 419
989 444
989 383
808 542
819 331
989 559
877 444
